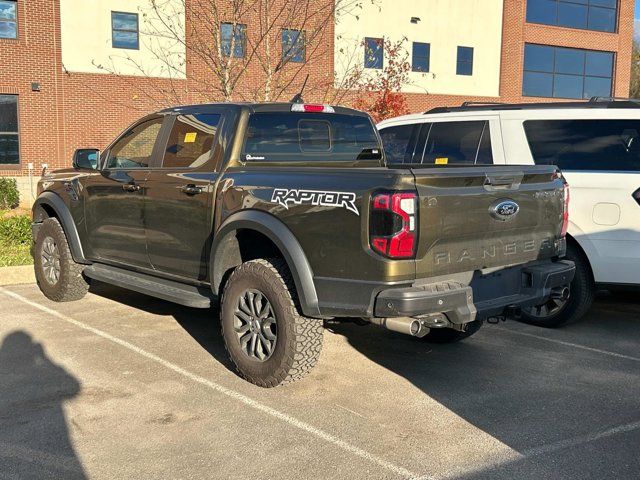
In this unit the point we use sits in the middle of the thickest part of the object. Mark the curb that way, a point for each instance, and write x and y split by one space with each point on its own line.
17 275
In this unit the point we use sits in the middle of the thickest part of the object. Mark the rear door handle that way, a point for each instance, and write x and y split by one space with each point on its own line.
191 189
131 187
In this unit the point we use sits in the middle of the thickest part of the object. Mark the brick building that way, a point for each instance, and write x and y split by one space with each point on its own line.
77 72
499 50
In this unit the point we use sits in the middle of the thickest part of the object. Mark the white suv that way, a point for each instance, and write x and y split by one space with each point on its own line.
597 146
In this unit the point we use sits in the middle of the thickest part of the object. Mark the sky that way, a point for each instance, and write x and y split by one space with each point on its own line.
637 21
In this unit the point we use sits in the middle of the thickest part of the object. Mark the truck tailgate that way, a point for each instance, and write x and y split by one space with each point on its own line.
473 218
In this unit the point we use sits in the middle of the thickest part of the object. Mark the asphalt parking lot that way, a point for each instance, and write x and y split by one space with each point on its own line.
120 385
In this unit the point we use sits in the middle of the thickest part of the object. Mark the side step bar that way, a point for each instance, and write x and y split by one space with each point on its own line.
187 295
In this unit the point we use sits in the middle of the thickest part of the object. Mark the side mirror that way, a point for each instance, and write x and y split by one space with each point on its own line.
86 158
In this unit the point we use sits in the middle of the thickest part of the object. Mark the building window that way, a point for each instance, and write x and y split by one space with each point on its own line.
465 61
566 72
124 30
8 19
600 15
236 35
9 136
374 53
293 49
420 57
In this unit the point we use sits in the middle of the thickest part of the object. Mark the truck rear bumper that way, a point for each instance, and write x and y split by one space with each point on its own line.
485 296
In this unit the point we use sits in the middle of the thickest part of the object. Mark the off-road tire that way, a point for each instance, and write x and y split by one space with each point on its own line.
449 335
299 338
71 284
582 290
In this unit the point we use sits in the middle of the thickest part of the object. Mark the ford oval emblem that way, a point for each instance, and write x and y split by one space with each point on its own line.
504 210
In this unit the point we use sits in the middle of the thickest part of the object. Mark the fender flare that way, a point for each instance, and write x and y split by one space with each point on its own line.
286 242
62 213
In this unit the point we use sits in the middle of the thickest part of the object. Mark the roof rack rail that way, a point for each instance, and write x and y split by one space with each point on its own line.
594 102
613 99
473 104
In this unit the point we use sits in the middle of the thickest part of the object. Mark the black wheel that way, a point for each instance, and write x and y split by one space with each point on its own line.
557 312
449 335
57 275
268 340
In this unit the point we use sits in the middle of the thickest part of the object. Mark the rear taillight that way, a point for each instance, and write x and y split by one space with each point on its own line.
311 108
565 213
636 196
393 229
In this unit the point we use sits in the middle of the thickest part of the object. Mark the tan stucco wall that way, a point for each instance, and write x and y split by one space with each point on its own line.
86 39
445 24
27 188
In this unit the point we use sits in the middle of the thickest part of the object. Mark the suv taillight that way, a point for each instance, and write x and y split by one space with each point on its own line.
565 213
393 228
636 196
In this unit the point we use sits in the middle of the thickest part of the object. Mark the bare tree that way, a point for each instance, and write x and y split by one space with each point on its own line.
256 50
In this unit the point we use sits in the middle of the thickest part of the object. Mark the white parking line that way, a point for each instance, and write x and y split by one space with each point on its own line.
530 453
581 440
569 344
286 418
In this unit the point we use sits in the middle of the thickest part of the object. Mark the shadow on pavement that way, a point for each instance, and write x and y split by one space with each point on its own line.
34 438
528 393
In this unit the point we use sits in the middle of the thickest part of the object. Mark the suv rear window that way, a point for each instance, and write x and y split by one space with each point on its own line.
585 144
284 136
398 143
458 143
439 143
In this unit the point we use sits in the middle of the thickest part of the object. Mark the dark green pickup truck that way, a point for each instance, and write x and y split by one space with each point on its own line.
288 215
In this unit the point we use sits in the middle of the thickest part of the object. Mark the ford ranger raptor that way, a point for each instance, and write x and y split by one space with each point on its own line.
286 214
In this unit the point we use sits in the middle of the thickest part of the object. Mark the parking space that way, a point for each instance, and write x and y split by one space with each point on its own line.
120 385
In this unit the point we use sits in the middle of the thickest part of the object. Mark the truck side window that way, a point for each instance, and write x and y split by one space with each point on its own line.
585 144
191 140
134 148
458 143
322 137
398 144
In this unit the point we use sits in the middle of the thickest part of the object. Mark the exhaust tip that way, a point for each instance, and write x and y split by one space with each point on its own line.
415 328
561 293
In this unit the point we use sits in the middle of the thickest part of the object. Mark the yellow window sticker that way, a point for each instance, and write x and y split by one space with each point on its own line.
442 161
190 137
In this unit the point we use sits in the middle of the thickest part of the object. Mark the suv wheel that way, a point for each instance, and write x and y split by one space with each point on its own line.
268 340
60 278
554 313
449 335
